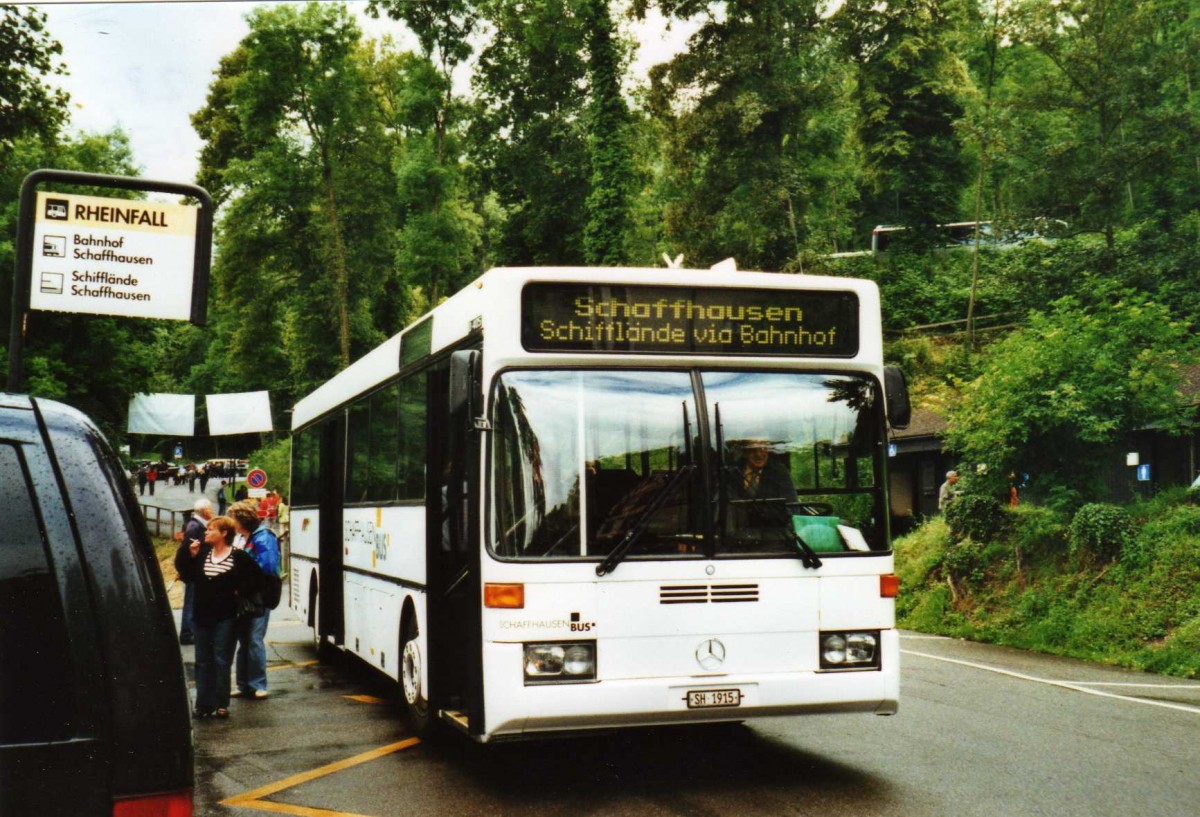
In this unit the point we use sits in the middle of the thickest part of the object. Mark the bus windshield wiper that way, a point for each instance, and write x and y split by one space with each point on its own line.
778 508
641 523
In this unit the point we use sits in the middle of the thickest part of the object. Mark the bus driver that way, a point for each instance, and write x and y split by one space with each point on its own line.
760 476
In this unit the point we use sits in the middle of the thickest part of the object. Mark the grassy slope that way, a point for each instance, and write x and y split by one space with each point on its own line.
1028 589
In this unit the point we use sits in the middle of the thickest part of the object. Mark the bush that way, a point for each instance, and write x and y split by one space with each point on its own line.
975 516
1101 531
964 560
1039 532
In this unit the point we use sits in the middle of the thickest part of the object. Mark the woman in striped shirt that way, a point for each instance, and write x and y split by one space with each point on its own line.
222 575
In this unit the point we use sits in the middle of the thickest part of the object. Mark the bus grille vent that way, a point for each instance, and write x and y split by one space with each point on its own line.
703 593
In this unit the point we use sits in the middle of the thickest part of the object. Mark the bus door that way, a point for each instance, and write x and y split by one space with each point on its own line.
455 616
331 618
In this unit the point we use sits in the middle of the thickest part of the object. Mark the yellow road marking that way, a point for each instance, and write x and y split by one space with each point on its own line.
253 798
365 699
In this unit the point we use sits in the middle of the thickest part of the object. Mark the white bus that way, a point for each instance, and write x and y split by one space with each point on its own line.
531 507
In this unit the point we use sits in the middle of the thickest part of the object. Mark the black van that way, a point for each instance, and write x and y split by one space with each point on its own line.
94 713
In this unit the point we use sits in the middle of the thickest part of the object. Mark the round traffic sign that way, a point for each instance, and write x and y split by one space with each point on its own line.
257 478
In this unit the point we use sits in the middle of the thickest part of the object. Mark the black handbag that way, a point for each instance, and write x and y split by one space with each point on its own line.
250 606
272 590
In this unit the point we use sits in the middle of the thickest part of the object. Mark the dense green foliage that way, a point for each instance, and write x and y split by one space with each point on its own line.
1100 531
1137 609
358 184
1057 398
28 57
974 516
120 355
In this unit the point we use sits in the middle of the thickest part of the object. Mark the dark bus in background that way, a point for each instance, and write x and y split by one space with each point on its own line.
956 234
962 234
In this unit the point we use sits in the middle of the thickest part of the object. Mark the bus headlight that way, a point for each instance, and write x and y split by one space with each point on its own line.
850 650
560 663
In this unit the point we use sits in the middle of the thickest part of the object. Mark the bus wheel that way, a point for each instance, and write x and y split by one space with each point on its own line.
414 699
324 652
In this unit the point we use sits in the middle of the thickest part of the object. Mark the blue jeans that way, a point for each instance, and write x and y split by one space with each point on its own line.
252 652
187 626
214 655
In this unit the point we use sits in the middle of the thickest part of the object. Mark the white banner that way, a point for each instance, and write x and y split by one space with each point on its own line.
242 413
172 415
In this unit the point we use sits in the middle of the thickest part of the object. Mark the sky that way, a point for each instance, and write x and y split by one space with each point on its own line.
146 66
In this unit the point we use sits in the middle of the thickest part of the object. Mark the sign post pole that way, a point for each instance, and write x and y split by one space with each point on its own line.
115 217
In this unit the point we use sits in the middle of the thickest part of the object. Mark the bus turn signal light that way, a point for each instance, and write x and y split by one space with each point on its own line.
511 596
889 586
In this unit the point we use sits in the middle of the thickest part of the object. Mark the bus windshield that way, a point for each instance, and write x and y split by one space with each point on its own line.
585 461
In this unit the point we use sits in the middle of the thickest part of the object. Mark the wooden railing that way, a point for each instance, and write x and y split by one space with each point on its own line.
158 526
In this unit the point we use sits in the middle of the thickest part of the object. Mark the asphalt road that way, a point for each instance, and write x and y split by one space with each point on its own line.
981 731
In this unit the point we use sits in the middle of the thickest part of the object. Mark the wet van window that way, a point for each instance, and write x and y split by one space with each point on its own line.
35 673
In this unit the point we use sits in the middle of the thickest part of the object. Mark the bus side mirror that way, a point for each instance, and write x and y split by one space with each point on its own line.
895 387
464 384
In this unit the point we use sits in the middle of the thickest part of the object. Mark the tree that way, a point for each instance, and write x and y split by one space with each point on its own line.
608 122
28 105
439 238
293 148
909 88
117 360
1056 398
1108 64
528 134
750 116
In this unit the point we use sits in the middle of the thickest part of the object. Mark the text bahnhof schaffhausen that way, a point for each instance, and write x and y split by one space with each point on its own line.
108 251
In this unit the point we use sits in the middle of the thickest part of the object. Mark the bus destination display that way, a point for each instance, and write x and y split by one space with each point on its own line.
562 317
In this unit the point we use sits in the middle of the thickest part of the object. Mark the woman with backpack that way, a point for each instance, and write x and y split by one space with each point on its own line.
263 546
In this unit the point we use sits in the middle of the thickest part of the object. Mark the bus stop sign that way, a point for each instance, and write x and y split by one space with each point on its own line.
256 478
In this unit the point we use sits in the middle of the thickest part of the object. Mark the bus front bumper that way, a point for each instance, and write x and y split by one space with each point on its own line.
514 709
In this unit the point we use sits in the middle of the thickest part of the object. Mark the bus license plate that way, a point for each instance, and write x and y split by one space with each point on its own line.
706 698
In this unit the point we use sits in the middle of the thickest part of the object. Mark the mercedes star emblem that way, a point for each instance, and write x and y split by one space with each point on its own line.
710 654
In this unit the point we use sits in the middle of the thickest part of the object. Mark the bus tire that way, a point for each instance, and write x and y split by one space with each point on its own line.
324 651
414 700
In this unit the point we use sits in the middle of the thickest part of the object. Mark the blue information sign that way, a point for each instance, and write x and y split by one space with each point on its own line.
1143 473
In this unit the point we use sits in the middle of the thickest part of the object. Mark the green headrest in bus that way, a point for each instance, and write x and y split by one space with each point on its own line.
819 532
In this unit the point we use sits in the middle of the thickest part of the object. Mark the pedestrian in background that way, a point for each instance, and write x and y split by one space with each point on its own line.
152 477
224 577
222 501
141 479
947 493
268 509
193 531
285 520
263 547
